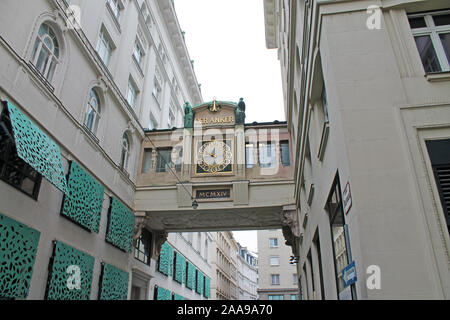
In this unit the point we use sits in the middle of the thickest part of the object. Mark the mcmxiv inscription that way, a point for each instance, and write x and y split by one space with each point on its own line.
213 194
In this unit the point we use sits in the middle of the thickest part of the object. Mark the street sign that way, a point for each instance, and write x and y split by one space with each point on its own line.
347 198
349 274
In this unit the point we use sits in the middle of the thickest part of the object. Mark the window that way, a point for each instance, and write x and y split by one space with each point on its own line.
274 260
324 100
131 94
439 152
46 52
179 158
171 119
431 32
143 249
152 124
157 90
104 47
147 160
294 296
92 116
138 54
13 170
164 160
276 297
294 279
285 153
267 154
338 233
125 154
273 242
115 7
250 160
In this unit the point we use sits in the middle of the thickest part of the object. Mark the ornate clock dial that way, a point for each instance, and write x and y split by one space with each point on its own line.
214 156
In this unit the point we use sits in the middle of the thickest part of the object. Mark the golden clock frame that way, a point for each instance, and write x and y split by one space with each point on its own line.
198 143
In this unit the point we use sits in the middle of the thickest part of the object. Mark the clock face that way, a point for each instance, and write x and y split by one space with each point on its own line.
214 157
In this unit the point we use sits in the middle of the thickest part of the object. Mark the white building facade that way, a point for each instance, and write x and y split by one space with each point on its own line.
79 86
367 98
247 266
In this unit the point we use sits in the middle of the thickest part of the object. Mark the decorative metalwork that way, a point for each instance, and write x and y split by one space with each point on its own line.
37 149
84 200
60 276
190 280
207 292
166 259
18 246
120 226
163 294
200 280
180 268
114 283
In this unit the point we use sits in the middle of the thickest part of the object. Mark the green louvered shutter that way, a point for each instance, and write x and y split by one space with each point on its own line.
207 293
190 283
166 259
163 294
37 149
120 226
114 283
200 280
178 297
83 202
180 268
18 246
64 258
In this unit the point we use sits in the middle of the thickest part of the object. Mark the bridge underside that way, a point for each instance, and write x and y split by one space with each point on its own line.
217 219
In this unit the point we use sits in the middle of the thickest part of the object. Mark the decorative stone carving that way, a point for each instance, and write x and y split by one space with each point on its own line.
160 237
240 112
290 227
140 223
188 116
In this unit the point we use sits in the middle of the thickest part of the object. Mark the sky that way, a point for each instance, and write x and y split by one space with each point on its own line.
226 40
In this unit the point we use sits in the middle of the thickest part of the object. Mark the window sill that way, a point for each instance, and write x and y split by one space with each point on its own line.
438 76
90 134
323 140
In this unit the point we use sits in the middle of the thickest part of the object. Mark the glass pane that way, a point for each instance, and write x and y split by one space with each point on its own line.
445 38
427 54
42 61
285 156
442 20
147 161
417 23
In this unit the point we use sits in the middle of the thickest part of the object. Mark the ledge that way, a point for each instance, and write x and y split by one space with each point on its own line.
438 76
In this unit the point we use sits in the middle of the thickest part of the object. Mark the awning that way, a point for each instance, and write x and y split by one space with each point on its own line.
37 149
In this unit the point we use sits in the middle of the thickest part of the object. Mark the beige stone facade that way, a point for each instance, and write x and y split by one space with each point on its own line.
366 88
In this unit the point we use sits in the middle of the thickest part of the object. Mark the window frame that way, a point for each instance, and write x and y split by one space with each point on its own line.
434 33
105 40
275 276
137 250
22 167
125 152
53 59
97 113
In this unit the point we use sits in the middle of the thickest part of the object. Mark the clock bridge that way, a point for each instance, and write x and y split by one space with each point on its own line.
217 173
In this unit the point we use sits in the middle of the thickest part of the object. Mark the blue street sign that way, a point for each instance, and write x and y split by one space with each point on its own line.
349 274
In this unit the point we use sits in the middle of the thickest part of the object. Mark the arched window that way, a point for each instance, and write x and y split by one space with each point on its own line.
93 109
125 152
46 52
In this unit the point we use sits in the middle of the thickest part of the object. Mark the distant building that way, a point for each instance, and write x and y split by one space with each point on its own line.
277 278
224 282
247 265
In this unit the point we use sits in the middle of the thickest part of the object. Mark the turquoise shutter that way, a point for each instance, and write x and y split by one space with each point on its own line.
120 226
37 149
114 283
84 200
18 246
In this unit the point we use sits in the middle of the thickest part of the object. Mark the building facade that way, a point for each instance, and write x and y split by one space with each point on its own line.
367 97
224 285
277 277
80 85
247 265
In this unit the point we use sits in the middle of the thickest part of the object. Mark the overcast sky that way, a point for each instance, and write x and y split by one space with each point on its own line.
226 40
